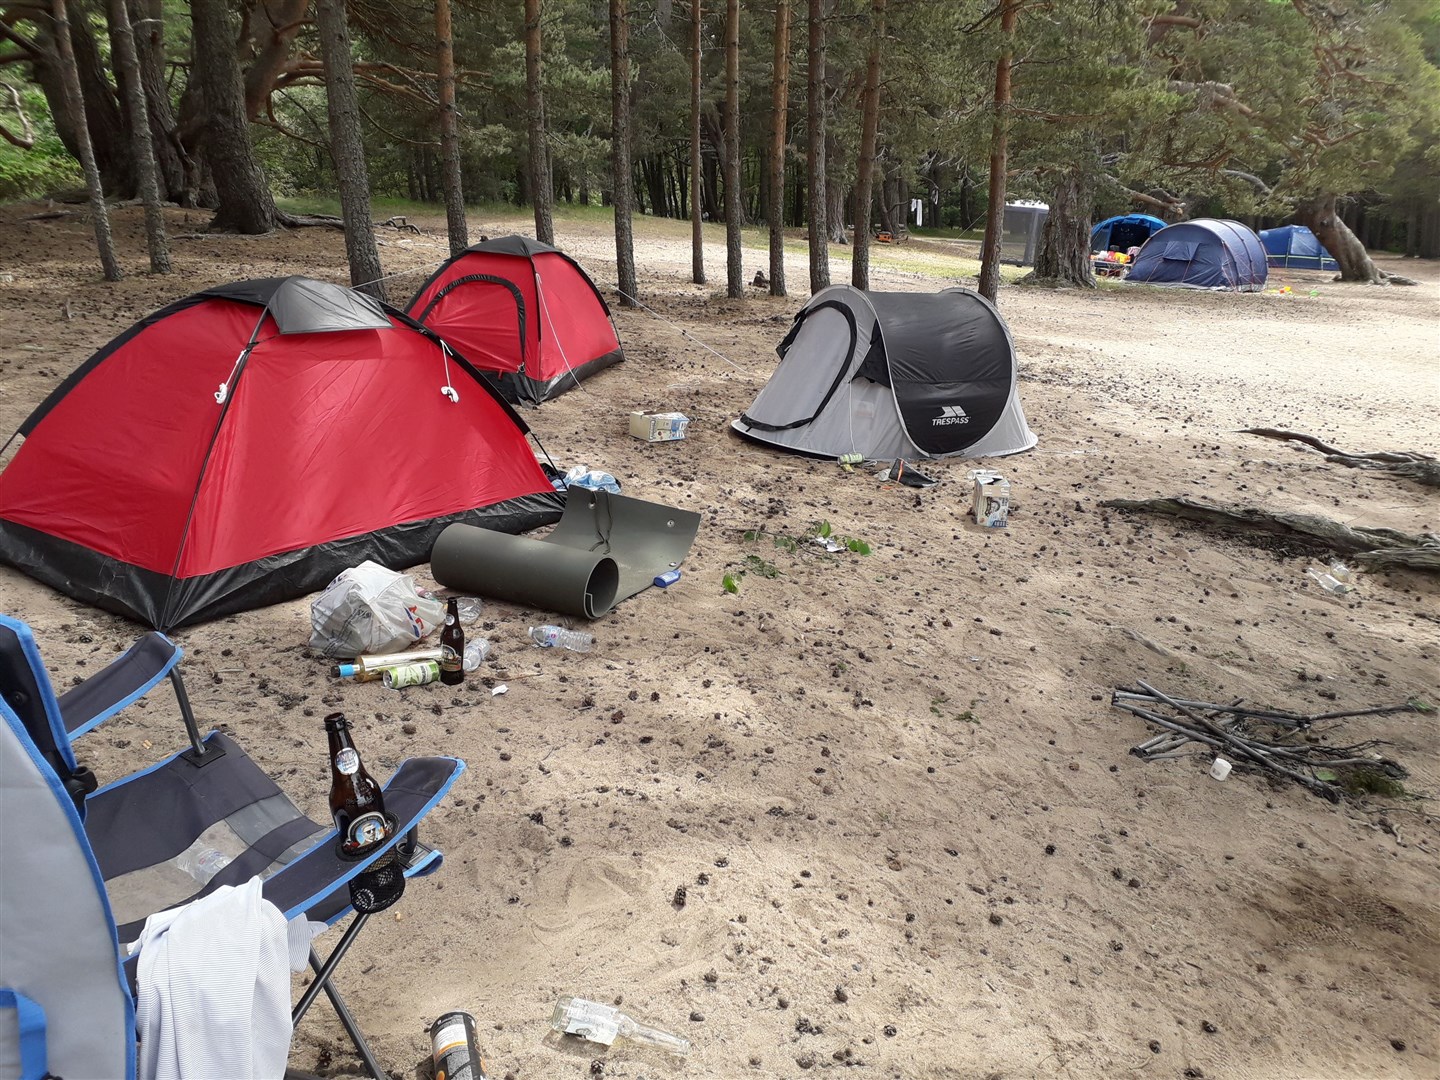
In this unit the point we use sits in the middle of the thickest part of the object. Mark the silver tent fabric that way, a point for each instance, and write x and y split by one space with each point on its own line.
57 942
834 391
306 306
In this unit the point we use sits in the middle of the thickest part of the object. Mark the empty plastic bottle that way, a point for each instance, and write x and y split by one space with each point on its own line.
603 1024
549 636
202 863
476 650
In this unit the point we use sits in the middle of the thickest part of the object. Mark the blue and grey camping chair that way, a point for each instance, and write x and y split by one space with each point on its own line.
81 869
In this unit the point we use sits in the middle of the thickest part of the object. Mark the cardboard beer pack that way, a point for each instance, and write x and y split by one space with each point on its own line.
658 427
992 499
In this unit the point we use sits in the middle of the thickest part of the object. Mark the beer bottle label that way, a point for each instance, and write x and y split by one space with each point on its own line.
367 829
449 657
347 761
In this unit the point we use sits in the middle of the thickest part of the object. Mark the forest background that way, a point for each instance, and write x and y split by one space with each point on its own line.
814 114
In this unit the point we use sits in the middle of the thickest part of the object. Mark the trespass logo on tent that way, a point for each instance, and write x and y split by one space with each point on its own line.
950 414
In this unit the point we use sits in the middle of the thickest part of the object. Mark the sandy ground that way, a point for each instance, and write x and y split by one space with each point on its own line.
857 768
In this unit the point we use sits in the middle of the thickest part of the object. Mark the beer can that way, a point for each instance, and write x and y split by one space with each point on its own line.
412 675
455 1048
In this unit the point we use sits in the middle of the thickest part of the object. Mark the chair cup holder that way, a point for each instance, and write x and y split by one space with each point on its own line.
381 883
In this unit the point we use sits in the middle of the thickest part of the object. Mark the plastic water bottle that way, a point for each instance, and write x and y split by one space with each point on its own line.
202 863
594 479
476 651
548 637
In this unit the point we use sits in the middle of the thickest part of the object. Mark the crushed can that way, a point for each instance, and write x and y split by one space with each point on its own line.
455 1048
412 675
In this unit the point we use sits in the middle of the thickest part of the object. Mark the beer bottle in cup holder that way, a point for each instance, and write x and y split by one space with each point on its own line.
358 806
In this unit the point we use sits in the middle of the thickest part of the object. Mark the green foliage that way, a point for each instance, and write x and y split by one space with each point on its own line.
45 167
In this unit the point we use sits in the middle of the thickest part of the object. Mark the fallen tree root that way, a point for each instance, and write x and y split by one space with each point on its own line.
1422 468
1374 548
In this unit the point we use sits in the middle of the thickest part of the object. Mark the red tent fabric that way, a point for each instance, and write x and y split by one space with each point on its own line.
172 482
524 311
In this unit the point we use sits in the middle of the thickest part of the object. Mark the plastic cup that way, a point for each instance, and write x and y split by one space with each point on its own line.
1220 768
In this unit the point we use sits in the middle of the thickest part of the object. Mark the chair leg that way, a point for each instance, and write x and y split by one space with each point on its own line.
323 974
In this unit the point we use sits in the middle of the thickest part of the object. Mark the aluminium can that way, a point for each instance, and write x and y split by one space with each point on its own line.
412 675
455 1048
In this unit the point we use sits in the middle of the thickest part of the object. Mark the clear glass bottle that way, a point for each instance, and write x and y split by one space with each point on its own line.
604 1024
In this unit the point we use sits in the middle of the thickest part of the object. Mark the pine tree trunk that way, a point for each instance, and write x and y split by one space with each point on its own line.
620 174
541 182
865 166
70 78
734 207
1319 216
835 188
456 227
697 239
141 148
1064 256
347 149
179 174
815 149
989 285
104 123
245 204
779 116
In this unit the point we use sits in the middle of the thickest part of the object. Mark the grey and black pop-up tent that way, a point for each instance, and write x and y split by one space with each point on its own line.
890 375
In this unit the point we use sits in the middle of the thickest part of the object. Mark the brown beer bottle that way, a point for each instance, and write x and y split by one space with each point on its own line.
356 801
452 646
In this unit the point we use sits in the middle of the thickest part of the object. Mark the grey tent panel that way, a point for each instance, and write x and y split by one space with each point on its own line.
892 375
305 306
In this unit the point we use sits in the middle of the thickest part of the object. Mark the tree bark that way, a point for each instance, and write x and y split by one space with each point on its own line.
347 149
865 166
541 184
1064 256
270 39
1319 216
179 173
734 207
779 115
697 239
70 79
133 87
456 227
815 148
989 285
621 181
245 204
104 124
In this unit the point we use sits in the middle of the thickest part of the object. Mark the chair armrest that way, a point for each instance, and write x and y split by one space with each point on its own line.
315 883
124 681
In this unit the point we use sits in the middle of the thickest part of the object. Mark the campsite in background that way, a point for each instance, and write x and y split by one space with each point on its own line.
701 538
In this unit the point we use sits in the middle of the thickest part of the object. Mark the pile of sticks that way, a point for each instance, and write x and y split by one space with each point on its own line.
1191 726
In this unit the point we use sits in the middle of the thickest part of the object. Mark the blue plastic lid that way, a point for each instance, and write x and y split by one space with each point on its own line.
348 671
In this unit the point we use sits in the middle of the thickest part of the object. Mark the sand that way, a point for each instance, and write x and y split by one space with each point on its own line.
910 837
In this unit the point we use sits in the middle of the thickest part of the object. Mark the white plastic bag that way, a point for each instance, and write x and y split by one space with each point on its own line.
369 609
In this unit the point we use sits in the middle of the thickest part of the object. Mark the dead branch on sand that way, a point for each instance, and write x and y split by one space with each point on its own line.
1422 468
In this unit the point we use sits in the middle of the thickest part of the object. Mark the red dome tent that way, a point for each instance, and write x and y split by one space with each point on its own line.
523 310
243 445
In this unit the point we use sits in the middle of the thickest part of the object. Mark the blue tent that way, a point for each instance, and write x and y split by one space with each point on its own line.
1123 233
1296 248
1206 253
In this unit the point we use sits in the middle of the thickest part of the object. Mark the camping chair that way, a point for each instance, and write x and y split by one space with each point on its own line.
81 869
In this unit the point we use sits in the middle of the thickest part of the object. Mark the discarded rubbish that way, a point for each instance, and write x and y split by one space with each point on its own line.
201 862
1336 579
592 479
665 580
1323 769
455 1048
603 1024
369 609
469 608
849 461
477 651
452 646
498 689
398 678
372 668
659 427
549 636
991 506
1220 768
901 471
